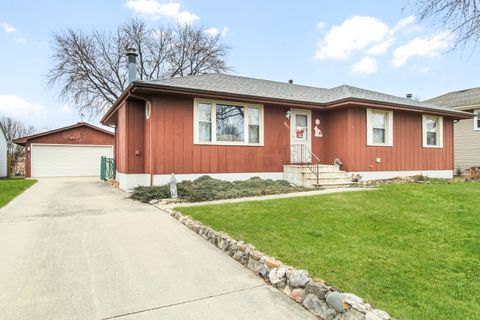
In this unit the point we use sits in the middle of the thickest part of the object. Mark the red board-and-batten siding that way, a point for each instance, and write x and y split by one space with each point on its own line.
81 136
164 143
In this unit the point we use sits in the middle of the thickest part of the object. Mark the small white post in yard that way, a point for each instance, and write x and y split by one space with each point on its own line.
173 187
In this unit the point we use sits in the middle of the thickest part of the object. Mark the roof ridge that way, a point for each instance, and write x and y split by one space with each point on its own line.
242 77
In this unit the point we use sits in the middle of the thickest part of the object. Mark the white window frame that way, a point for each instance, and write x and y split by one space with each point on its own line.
388 128
476 127
246 106
439 132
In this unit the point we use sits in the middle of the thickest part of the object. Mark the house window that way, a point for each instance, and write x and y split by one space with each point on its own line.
476 120
432 131
227 123
379 128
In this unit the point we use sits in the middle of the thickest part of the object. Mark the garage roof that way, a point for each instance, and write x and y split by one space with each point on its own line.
23 140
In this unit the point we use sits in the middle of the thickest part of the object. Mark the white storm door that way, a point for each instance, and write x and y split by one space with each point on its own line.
300 136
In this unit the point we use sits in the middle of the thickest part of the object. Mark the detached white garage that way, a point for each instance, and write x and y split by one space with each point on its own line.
73 151
67 160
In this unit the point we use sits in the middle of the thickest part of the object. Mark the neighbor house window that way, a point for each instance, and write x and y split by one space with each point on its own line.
228 123
432 131
476 120
379 128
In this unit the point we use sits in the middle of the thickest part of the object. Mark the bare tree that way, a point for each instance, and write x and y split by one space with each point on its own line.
91 68
460 16
15 129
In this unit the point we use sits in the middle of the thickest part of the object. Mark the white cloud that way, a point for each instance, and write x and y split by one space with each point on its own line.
19 108
367 65
7 27
216 31
156 10
353 34
21 40
408 21
381 47
359 33
423 47
320 25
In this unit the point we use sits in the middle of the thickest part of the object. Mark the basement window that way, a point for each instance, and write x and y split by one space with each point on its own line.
227 123
432 131
379 128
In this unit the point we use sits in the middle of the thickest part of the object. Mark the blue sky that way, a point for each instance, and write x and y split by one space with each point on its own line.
370 44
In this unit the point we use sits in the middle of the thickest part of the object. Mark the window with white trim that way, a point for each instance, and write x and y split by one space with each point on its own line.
432 131
379 128
227 123
476 120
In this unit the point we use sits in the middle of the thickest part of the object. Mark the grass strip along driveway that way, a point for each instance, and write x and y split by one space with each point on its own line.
10 188
410 249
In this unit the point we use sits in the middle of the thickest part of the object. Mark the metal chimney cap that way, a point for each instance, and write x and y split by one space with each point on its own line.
131 52
290 81
409 96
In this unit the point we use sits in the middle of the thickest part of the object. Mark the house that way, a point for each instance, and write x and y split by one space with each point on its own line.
232 127
65 152
467 131
3 153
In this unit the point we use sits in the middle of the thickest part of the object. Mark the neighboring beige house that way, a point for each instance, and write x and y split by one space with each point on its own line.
466 132
3 153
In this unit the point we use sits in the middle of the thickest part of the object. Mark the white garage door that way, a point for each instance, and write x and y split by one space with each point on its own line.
67 160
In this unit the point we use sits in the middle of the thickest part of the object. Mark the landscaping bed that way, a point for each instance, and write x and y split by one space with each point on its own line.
411 249
10 188
206 188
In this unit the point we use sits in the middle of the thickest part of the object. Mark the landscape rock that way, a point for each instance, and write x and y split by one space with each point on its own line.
153 201
277 275
318 289
336 300
297 278
351 314
272 263
253 265
297 295
318 307
355 302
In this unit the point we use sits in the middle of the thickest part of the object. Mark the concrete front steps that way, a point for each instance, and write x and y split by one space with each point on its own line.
330 176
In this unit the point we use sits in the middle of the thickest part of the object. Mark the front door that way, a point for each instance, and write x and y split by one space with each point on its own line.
300 136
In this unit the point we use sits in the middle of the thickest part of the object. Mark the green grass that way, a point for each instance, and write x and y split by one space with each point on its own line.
410 249
10 188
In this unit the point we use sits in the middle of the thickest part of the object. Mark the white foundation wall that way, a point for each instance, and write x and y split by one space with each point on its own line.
380 175
130 181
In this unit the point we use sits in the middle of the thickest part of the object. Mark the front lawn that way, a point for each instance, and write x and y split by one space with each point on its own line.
10 188
410 249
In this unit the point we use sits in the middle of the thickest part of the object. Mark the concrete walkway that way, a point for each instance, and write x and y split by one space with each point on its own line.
264 198
78 249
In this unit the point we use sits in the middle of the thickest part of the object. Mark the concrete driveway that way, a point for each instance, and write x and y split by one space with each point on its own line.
78 249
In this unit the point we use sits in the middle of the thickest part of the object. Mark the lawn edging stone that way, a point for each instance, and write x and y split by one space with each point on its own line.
324 301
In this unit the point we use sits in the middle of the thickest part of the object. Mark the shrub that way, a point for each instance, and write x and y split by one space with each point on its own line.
207 188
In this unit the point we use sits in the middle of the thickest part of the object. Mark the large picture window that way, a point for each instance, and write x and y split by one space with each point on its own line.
379 128
227 123
432 131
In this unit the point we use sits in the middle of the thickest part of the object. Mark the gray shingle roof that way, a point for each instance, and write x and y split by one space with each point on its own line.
230 84
458 99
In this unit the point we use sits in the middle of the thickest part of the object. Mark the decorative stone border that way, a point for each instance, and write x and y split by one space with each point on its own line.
321 299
